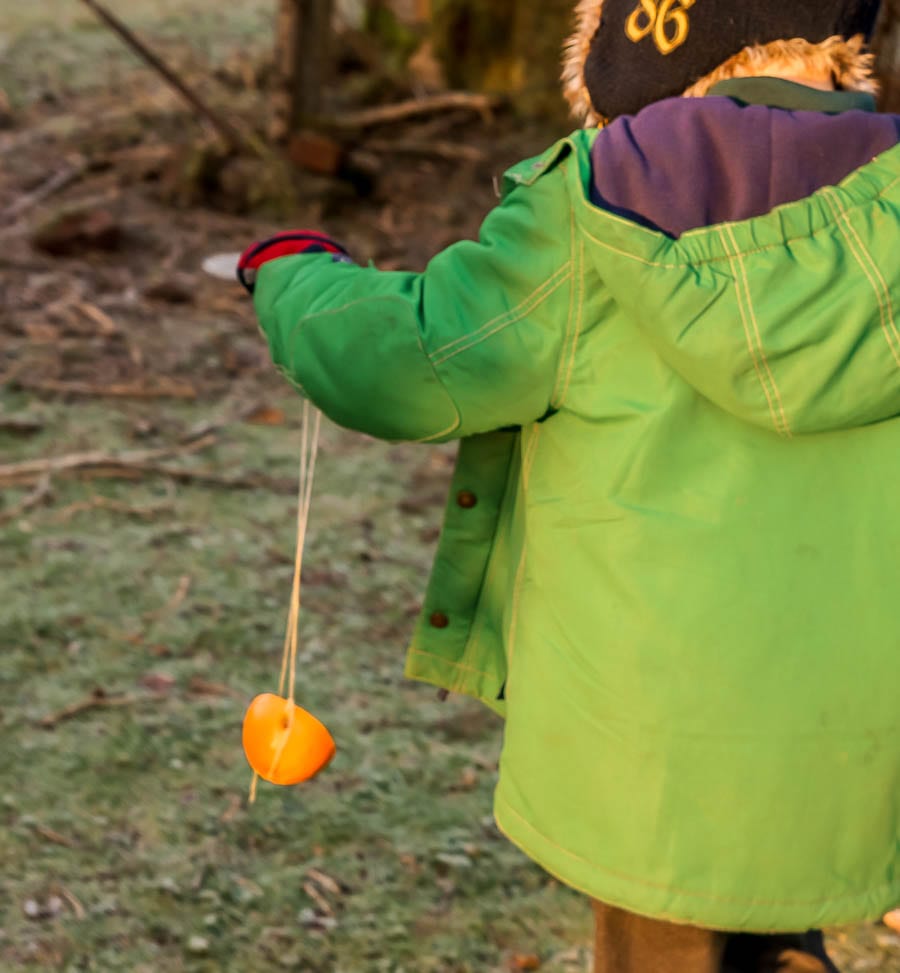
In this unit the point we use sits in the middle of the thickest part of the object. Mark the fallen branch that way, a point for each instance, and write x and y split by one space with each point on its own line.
232 137
138 463
181 474
37 496
148 512
324 881
75 905
138 460
21 425
54 837
172 605
104 322
97 700
322 904
123 390
387 114
453 151
203 687
56 183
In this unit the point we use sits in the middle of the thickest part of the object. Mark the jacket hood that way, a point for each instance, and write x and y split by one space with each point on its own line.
790 321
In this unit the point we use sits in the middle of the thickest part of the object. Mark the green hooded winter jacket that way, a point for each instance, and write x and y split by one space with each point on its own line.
671 554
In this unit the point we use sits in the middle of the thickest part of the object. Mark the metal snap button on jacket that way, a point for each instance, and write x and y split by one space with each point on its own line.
466 499
439 620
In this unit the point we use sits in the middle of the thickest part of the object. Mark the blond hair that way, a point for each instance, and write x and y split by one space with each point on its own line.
848 62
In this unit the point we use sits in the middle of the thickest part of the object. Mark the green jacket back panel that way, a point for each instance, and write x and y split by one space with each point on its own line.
672 541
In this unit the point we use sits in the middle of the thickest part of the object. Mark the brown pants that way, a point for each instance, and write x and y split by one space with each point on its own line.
628 943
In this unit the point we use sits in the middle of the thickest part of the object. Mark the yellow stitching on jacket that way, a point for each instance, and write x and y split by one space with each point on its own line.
439 435
554 401
476 630
670 888
882 311
888 307
454 426
633 256
480 336
579 321
759 343
886 291
530 451
512 311
514 611
527 464
514 314
728 256
449 662
749 337
346 307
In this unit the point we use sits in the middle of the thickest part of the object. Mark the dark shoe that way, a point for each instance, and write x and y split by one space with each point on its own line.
801 953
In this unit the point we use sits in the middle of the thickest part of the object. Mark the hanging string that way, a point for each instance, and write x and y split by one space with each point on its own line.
309 448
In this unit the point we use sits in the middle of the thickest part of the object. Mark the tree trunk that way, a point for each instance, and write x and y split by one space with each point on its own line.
887 44
303 63
511 47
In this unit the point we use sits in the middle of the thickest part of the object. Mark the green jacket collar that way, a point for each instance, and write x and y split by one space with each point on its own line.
779 93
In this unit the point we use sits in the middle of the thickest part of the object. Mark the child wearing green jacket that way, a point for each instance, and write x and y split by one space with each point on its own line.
669 558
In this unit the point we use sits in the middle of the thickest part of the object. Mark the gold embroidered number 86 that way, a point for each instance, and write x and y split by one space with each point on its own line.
667 21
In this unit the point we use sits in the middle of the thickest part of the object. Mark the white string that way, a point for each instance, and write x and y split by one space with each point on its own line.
309 448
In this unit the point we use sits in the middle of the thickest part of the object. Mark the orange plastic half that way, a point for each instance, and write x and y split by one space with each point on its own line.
284 744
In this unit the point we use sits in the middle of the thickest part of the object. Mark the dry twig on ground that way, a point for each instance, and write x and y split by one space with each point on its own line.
146 512
56 183
37 496
21 425
97 700
173 604
163 389
54 837
452 151
77 908
415 107
133 461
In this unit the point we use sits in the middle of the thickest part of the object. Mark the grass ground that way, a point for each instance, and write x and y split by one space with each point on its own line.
57 47
126 839
137 617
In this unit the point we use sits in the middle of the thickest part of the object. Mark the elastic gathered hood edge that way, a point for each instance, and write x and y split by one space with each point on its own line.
781 367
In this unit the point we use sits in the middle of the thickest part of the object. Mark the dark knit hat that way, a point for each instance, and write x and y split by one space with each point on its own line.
646 50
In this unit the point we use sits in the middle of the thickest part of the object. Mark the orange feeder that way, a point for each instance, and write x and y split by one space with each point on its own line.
284 744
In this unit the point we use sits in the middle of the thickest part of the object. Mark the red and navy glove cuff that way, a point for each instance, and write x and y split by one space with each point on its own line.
286 244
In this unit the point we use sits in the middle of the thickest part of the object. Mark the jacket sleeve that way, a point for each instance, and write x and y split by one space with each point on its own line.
470 345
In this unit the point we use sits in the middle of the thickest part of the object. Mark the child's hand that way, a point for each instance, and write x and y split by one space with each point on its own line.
286 244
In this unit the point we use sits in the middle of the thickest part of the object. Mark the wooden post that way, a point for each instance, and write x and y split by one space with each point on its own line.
303 61
509 47
887 44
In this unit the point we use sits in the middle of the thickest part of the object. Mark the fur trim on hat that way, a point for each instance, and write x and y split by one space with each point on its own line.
587 23
848 61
